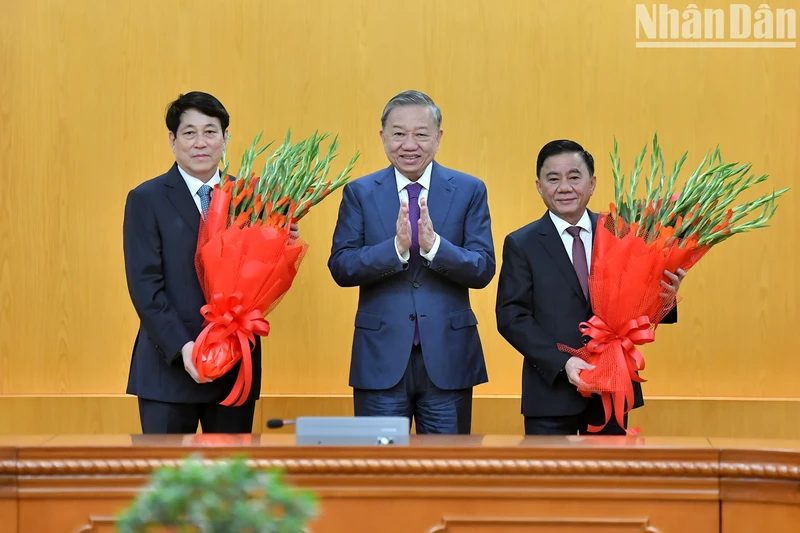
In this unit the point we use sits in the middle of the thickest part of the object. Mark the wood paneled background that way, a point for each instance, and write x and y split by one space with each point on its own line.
83 89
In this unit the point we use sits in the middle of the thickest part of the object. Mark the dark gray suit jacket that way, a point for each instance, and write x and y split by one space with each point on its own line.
539 305
159 241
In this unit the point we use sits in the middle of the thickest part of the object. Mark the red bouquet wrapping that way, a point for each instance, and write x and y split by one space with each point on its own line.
246 258
635 243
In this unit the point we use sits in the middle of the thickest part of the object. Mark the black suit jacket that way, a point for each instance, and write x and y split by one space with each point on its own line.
540 304
160 231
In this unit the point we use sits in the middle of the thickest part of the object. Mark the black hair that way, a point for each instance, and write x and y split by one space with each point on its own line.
202 102
563 146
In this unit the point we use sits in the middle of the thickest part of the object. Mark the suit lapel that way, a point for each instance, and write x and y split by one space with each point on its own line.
593 217
180 197
552 243
387 201
440 196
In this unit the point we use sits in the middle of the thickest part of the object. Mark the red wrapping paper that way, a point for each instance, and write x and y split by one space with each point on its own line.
628 302
244 270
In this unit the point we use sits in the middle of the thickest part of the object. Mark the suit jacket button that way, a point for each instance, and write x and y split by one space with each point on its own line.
416 285
412 317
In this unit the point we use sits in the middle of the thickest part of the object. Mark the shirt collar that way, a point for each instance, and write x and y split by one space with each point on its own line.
424 180
585 223
194 184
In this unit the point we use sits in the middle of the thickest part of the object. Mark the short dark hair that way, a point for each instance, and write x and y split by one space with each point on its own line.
563 146
409 98
203 102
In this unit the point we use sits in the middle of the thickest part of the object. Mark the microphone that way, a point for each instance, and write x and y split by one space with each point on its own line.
275 423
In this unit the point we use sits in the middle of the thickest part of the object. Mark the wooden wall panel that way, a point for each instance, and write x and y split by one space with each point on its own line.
492 415
8 489
83 88
85 414
742 517
396 513
661 416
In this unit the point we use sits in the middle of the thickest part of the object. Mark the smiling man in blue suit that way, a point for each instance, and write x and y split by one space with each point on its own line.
415 238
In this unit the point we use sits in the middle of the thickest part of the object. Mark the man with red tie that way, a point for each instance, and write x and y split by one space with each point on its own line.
543 294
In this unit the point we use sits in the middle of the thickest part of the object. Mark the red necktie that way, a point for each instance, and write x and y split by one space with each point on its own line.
579 259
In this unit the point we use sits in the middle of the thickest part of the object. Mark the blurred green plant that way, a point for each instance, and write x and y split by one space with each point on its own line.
218 496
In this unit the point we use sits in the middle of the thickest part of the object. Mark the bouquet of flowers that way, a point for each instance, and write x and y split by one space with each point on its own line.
246 259
636 242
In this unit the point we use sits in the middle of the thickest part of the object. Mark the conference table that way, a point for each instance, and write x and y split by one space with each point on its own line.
436 484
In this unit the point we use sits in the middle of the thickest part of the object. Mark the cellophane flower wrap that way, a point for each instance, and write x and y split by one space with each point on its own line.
639 239
246 259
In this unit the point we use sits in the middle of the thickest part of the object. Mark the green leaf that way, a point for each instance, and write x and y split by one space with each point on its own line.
216 496
703 204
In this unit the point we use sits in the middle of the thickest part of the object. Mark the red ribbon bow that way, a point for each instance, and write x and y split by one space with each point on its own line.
627 361
224 318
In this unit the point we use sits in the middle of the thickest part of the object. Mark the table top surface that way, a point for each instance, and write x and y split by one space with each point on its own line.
285 440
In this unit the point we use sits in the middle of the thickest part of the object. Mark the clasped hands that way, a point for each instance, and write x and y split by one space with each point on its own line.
426 233
575 365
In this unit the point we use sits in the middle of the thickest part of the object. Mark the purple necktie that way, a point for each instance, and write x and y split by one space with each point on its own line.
413 215
579 259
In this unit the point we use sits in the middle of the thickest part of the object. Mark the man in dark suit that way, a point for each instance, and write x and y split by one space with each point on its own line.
415 237
160 231
542 296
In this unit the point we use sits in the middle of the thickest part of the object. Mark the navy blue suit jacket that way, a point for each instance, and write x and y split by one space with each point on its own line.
392 297
159 241
540 304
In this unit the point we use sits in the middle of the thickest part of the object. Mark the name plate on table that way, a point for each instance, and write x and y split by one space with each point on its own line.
352 430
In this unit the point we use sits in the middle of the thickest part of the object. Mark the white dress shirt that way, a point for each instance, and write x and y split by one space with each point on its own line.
585 223
425 181
194 185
